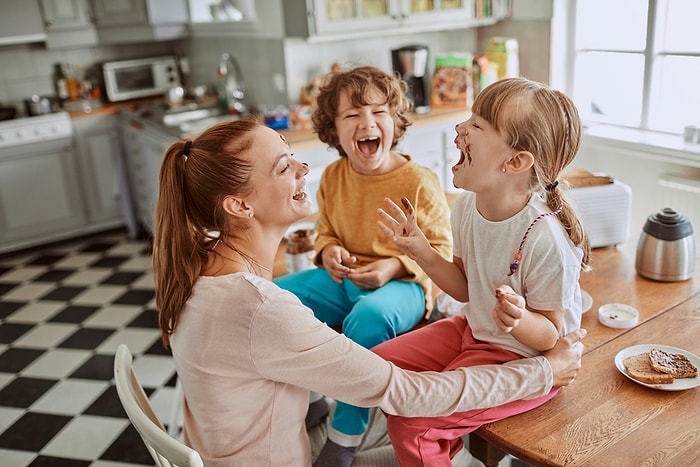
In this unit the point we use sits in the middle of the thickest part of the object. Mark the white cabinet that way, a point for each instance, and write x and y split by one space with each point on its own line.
318 157
40 194
327 20
124 21
68 23
20 22
143 152
362 17
432 145
101 169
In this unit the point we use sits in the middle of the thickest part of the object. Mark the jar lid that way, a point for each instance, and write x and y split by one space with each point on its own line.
618 315
668 224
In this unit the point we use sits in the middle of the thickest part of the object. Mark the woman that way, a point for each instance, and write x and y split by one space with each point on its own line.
247 352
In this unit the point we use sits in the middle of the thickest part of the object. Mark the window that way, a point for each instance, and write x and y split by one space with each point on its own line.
634 63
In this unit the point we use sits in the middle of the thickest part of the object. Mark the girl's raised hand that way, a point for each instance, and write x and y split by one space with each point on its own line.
401 227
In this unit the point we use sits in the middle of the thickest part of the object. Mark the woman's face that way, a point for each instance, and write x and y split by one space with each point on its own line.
279 194
366 132
483 154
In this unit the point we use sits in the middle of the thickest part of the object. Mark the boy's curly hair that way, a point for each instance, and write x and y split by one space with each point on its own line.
359 81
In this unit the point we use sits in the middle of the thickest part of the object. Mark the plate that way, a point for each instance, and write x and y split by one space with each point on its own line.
679 384
299 226
586 301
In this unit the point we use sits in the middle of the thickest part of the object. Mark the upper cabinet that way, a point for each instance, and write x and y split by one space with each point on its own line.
326 20
333 17
68 23
124 21
20 22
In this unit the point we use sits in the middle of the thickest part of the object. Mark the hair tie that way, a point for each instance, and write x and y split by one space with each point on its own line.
551 186
186 151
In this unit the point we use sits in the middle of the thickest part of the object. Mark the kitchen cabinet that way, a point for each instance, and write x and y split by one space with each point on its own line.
318 156
20 22
432 145
124 21
328 20
143 152
40 194
68 23
101 169
342 18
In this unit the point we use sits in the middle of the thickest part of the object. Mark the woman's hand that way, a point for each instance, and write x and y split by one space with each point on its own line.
565 357
402 228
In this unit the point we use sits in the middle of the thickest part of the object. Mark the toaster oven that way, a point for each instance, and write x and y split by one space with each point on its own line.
143 77
604 210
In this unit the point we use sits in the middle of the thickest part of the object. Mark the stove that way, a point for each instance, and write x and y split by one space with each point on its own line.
28 130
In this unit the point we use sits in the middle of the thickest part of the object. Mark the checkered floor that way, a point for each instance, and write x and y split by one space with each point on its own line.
64 309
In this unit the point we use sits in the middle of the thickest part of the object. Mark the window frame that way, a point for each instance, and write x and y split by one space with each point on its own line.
563 53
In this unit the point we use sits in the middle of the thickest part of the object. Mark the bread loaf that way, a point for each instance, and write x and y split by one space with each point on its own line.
639 367
674 364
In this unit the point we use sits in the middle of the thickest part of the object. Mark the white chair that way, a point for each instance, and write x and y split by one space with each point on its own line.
166 450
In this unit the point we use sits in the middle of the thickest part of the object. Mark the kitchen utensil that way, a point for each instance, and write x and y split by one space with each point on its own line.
7 113
666 247
41 105
174 96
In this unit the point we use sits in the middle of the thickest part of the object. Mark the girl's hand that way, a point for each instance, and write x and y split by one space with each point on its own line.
509 308
336 260
401 227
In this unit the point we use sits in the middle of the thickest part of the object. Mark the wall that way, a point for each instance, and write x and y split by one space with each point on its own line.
275 69
640 167
27 69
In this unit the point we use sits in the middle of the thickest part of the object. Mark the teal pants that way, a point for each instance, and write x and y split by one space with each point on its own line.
368 317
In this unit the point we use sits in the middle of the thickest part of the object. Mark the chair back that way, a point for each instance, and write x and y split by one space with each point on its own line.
166 450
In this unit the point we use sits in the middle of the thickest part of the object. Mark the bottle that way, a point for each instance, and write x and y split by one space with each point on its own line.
60 82
73 84
230 85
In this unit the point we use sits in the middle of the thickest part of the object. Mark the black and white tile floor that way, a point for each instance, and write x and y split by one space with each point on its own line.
64 308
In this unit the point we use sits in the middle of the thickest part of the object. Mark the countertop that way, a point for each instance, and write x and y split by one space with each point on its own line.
298 138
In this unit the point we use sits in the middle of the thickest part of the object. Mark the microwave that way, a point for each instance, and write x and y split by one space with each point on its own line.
131 79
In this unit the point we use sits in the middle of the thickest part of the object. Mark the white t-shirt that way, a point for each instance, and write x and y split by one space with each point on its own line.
547 276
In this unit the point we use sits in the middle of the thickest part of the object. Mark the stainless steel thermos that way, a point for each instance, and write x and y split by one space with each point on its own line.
666 248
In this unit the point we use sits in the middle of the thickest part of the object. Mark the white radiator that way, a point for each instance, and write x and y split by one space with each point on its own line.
682 195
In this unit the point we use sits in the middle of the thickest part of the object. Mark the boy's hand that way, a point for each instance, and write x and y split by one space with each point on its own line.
376 274
509 308
401 227
336 260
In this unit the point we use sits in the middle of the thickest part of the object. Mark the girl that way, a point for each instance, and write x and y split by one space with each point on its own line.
518 252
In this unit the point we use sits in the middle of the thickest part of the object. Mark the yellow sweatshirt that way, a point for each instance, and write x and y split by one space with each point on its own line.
348 203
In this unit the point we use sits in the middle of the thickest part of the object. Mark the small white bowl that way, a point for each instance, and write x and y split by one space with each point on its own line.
618 315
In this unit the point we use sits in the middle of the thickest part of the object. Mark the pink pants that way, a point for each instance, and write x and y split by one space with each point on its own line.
444 345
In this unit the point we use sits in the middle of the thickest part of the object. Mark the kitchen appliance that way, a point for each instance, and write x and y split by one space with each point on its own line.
604 210
666 247
20 133
130 79
41 105
411 63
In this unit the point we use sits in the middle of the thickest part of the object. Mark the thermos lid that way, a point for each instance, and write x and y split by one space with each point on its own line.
668 224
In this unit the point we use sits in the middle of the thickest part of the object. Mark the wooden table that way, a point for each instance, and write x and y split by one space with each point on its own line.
603 418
